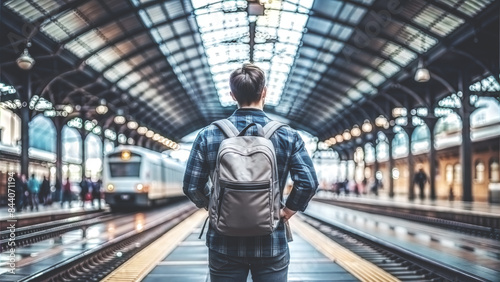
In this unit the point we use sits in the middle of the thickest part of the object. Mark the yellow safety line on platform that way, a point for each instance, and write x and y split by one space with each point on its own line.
136 268
354 264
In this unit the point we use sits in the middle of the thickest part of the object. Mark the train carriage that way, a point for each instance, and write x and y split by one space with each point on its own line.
135 176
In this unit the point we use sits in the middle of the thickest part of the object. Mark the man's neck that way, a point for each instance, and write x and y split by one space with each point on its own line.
256 105
251 108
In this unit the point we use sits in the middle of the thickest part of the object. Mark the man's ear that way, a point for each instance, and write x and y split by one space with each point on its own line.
232 96
263 95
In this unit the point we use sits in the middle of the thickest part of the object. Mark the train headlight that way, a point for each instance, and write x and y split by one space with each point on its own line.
110 188
141 188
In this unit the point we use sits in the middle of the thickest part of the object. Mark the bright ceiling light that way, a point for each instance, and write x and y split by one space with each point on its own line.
422 74
25 61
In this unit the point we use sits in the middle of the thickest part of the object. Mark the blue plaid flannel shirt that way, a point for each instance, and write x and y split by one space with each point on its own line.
291 157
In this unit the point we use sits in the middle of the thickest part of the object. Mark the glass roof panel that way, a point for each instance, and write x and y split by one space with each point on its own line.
103 58
62 27
225 33
85 44
399 54
388 68
417 40
437 20
468 7
33 10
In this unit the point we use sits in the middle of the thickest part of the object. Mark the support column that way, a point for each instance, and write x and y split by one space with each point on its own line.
84 157
59 123
390 136
409 129
466 147
25 119
431 122
375 163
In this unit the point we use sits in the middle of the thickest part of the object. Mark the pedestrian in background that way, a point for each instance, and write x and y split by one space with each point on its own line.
84 190
45 191
34 189
66 193
96 192
421 179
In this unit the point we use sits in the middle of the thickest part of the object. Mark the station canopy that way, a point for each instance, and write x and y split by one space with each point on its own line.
330 65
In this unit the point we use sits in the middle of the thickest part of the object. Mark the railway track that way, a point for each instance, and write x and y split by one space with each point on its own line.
399 262
94 264
442 220
35 233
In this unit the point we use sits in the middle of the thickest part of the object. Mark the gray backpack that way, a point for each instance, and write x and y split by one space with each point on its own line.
245 198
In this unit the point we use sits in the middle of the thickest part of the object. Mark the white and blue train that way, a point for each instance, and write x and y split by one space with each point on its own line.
135 176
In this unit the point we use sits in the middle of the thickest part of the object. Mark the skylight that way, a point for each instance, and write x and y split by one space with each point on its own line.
225 33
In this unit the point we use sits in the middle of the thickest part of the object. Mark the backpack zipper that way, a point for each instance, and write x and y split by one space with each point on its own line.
248 186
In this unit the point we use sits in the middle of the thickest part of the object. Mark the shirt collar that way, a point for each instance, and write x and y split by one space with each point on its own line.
249 111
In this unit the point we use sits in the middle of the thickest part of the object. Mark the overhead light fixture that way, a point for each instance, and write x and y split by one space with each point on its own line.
346 135
68 109
102 108
119 118
399 112
422 74
339 138
381 121
25 61
355 131
332 140
132 124
142 130
367 126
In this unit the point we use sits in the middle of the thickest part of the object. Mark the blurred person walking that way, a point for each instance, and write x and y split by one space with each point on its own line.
34 189
66 193
420 179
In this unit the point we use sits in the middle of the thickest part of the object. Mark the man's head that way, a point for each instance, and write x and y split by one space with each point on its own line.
248 85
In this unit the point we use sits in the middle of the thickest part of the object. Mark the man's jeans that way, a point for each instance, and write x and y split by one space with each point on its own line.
224 268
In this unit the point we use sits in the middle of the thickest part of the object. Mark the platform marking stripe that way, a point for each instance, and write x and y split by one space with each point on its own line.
354 264
136 268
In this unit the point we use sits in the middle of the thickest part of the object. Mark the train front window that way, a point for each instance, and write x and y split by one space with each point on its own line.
131 169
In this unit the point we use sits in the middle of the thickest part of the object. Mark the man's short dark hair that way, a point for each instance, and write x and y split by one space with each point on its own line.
247 83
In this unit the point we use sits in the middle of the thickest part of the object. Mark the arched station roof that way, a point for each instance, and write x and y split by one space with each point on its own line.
165 64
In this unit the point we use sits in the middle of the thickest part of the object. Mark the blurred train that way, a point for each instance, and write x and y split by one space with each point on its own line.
137 177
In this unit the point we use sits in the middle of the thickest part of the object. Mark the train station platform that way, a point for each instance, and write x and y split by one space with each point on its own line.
180 256
47 213
475 213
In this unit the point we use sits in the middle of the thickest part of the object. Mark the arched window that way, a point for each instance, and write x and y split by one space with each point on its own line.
447 132
457 173
479 171
400 144
449 174
382 147
494 171
42 134
420 140
487 113
71 142
10 127
369 153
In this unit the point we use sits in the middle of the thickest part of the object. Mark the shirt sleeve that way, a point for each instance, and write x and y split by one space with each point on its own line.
197 172
303 175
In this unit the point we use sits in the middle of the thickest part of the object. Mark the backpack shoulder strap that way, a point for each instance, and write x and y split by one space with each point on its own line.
271 127
227 127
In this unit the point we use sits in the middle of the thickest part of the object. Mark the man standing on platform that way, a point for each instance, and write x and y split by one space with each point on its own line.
267 256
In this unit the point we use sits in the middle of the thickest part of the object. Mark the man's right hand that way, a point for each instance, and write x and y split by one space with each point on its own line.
286 214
